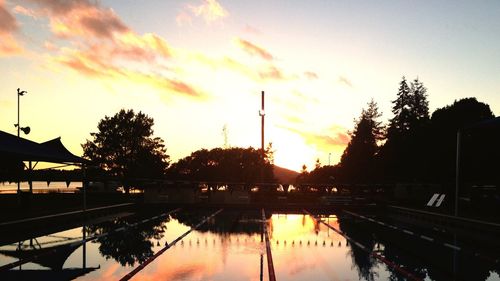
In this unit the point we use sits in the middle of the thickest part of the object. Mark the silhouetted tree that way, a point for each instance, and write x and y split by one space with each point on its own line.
269 153
405 152
445 123
125 147
317 165
231 165
401 109
322 175
357 160
303 177
419 105
130 246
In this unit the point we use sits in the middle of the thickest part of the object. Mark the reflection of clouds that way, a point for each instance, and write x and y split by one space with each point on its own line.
291 227
187 272
112 271
208 256
299 266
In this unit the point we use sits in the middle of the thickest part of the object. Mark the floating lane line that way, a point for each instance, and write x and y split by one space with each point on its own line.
427 238
270 265
148 261
389 263
81 242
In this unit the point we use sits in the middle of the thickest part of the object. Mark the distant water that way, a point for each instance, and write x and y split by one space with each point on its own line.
40 186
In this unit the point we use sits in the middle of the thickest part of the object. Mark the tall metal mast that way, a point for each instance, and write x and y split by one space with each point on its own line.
262 115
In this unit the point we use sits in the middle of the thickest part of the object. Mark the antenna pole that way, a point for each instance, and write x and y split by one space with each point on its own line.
262 127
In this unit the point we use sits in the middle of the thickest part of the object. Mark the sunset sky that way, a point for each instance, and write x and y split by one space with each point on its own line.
197 66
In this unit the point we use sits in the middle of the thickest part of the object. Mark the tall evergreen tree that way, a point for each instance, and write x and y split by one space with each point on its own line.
401 109
404 155
357 159
419 105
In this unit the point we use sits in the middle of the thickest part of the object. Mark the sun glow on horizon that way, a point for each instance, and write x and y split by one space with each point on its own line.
199 65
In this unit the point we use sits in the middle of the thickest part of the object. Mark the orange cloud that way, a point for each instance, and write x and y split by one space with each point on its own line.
24 11
253 49
106 48
8 26
78 18
267 72
87 21
271 73
336 137
9 46
91 63
58 7
100 29
8 22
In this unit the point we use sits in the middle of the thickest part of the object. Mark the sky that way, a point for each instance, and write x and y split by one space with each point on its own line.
199 66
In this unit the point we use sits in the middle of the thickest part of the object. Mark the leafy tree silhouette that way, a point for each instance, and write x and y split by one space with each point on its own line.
223 165
445 123
125 147
130 246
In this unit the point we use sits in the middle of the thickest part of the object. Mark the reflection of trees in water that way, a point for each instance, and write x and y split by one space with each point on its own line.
420 258
432 260
362 260
226 222
131 245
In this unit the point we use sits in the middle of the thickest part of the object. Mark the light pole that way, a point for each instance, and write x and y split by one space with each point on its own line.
262 114
25 130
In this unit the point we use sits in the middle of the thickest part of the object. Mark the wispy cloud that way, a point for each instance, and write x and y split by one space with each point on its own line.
335 136
93 64
311 75
266 72
271 73
26 12
8 26
183 18
8 22
251 30
345 81
210 11
104 47
254 50
79 18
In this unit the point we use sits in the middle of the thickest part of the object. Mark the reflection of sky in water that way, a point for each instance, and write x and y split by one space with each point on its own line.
305 250
52 240
229 248
208 256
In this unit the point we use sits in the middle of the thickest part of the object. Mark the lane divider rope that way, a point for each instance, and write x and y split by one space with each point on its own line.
78 243
427 238
389 263
270 265
168 246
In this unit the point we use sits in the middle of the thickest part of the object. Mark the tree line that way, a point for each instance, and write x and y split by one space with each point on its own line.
415 146
124 148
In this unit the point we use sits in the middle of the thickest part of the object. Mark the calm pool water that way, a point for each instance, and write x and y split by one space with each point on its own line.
229 246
